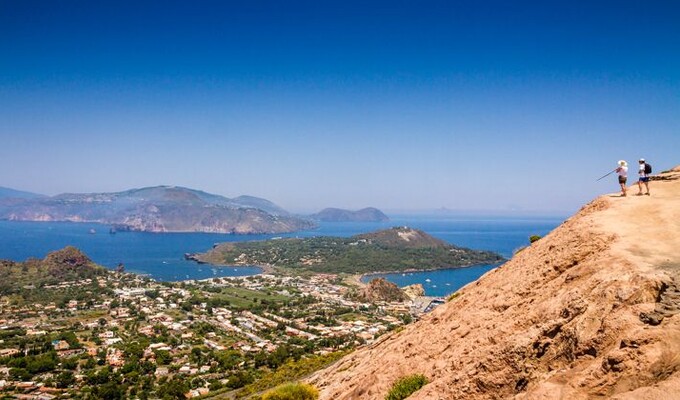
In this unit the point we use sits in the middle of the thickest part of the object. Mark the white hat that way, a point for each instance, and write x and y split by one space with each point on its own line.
623 163
642 160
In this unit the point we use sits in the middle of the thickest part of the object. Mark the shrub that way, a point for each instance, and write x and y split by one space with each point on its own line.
406 386
292 391
453 296
533 238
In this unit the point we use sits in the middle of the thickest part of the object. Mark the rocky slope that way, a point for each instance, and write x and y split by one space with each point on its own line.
368 214
378 289
159 209
589 311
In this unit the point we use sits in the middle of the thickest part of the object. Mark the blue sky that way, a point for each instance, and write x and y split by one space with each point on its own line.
402 105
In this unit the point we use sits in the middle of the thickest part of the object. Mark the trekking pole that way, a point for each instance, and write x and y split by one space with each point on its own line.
606 175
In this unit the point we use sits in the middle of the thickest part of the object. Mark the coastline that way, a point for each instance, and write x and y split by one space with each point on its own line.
412 270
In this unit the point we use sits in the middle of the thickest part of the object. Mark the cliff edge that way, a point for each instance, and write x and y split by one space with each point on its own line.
588 311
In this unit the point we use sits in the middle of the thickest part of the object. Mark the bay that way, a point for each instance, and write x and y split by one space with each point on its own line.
161 255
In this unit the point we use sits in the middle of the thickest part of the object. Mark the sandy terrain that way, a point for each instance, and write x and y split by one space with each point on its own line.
586 312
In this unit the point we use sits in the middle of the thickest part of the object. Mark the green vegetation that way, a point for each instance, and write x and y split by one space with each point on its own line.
292 391
534 238
396 249
406 386
68 264
453 296
292 370
111 335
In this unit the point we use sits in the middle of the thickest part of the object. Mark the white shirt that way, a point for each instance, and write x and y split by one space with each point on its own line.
623 171
641 171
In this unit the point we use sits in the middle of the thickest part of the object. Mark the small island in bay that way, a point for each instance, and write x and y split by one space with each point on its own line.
369 214
395 249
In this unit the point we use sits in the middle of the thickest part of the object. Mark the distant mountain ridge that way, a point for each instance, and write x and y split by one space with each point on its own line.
159 209
6 192
369 214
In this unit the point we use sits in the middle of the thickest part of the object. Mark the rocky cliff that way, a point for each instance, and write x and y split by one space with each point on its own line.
589 311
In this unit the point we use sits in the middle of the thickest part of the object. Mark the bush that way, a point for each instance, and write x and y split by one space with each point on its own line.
292 391
533 238
406 386
453 296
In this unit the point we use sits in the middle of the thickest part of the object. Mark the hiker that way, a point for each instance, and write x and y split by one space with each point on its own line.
622 170
644 171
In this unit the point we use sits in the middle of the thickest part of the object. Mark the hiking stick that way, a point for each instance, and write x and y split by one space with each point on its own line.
602 177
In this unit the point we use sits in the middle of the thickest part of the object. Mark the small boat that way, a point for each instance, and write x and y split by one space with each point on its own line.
428 280
92 231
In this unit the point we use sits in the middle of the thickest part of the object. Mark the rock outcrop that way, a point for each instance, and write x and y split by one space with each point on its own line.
413 291
379 289
589 311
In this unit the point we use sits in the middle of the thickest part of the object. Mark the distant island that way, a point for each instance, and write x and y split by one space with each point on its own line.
157 209
8 193
395 249
368 214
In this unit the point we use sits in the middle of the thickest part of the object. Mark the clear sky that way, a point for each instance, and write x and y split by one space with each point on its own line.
468 105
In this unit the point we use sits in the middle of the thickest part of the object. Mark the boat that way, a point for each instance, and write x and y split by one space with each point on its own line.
92 231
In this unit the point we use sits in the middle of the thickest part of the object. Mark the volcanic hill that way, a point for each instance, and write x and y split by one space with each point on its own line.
589 311
394 249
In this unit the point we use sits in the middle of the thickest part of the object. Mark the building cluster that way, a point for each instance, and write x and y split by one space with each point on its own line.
179 329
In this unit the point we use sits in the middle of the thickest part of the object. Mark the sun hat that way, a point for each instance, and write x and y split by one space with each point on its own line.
623 163
642 160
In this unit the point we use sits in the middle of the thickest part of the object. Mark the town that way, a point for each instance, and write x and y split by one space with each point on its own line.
120 335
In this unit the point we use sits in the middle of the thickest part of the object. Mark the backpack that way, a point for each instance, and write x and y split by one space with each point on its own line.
648 169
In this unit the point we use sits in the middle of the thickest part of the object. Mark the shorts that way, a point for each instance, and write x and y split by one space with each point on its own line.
644 179
622 180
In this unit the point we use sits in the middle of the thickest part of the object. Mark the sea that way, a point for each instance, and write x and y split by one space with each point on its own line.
161 255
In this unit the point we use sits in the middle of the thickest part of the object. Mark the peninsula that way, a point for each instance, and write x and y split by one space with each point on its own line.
395 249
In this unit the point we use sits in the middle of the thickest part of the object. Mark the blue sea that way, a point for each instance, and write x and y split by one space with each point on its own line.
161 255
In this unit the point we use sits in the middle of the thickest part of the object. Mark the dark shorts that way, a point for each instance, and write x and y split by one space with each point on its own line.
644 179
622 179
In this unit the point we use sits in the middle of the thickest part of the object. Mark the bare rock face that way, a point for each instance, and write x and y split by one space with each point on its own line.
379 289
588 311
413 291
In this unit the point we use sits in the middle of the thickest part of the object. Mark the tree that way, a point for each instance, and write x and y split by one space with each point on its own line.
174 389
65 379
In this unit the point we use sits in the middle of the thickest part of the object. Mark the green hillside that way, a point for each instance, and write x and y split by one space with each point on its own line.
396 249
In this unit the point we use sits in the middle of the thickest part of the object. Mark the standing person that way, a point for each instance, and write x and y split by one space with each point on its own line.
622 170
644 170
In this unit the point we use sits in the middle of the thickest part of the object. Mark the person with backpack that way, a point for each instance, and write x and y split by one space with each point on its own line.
644 171
622 170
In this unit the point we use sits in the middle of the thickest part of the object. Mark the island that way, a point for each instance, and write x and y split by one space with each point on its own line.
158 209
394 250
368 214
